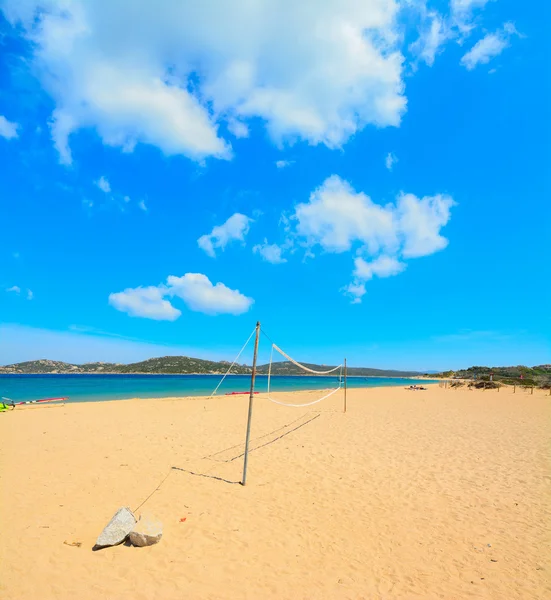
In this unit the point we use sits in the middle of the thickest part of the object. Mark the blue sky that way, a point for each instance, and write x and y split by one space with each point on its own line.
368 179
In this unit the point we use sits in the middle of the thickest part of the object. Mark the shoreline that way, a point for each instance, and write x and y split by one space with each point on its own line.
195 397
222 374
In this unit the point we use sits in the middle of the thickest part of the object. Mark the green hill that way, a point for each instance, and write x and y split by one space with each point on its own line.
182 365
539 375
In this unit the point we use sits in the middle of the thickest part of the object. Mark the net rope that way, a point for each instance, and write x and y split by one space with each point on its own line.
289 404
302 366
233 363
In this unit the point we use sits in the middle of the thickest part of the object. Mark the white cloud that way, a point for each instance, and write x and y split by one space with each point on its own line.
463 15
281 164
104 184
147 302
200 295
238 128
270 252
356 291
170 73
195 289
431 39
488 47
390 160
383 266
142 206
466 6
337 218
235 228
8 129
15 289
420 221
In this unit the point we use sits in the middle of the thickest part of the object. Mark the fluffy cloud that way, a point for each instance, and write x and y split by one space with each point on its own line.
238 128
30 295
432 38
104 185
466 6
281 164
200 295
337 218
383 266
8 129
419 222
390 160
147 302
170 73
195 289
489 46
271 253
14 288
234 229
436 29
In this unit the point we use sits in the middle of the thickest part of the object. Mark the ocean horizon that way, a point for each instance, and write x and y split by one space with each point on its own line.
114 386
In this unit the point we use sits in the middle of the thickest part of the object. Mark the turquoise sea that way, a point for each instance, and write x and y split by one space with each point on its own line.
93 388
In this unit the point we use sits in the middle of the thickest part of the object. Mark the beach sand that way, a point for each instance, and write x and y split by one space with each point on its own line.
435 494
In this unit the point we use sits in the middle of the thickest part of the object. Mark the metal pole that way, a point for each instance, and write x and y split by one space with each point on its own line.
345 371
251 396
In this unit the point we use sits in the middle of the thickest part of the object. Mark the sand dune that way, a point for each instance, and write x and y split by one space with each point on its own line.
436 494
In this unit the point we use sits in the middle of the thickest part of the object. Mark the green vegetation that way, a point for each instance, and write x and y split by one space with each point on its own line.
162 365
183 365
539 375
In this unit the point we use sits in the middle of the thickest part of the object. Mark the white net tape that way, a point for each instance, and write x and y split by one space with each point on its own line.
307 403
302 366
306 369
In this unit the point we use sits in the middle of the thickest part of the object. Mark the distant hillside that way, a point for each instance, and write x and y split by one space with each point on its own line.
182 365
164 364
538 375
288 368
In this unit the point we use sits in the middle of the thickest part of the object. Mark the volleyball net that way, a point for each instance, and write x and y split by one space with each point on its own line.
339 370
306 370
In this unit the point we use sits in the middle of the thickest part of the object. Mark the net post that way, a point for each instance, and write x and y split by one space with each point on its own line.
345 372
251 397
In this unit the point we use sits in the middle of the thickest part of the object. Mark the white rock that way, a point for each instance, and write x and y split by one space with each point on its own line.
118 528
146 532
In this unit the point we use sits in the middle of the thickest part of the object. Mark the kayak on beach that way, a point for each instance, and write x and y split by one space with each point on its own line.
9 403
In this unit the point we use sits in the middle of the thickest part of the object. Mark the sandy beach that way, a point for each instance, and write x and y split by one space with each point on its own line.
434 494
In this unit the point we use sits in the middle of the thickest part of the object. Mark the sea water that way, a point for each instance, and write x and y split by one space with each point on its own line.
93 388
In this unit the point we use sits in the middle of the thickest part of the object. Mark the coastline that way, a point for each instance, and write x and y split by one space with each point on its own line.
102 396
